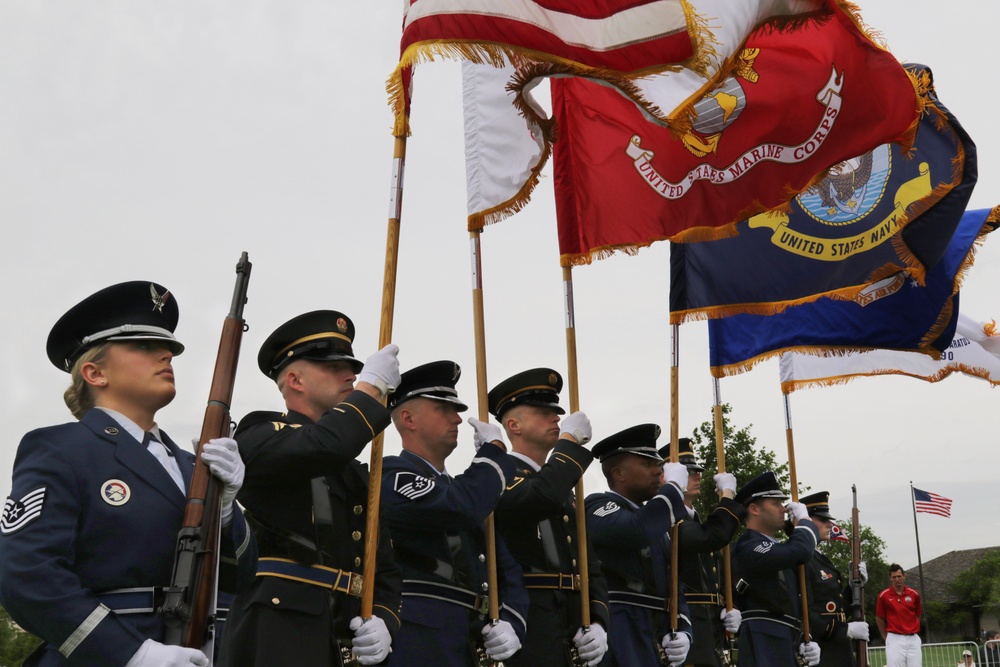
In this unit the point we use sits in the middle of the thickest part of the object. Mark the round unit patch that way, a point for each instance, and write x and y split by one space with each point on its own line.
116 492
831 606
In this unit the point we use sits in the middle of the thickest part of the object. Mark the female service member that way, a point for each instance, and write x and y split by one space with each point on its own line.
88 534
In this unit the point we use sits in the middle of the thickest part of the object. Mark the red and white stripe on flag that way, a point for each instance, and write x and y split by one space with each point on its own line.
620 36
931 503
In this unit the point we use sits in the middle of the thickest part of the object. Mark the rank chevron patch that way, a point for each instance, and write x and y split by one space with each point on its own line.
609 508
19 513
412 485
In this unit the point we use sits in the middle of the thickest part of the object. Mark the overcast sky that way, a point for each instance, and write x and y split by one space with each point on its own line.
155 141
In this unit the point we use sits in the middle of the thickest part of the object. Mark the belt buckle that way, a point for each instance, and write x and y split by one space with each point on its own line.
355 584
577 583
482 604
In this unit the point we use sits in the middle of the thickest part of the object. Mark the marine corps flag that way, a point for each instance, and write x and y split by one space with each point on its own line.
895 313
795 101
841 234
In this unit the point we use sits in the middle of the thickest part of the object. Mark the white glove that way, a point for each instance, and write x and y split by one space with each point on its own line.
155 654
857 630
223 458
500 640
810 651
577 425
591 645
382 369
863 571
484 432
372 642
725 482
676 473
676 647
731 620
798 512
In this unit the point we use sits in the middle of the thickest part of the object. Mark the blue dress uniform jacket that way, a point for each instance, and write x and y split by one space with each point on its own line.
98 513
301 597
633 546
537 517
701 574
829 599
768 596
438 537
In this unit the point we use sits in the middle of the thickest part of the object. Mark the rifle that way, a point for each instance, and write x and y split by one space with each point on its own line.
189 603
857 584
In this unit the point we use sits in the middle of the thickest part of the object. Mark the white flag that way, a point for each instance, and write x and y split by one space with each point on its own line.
975 351
503 151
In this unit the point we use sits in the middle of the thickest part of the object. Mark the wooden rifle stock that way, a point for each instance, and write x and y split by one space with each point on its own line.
857 584
189 603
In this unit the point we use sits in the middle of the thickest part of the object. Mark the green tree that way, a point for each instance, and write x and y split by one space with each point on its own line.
15 644
743 459
979 586
746 461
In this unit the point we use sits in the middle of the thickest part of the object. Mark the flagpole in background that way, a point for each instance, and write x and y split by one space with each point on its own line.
573 383
720 458
674 457
384 338
920 562
795 498
484 415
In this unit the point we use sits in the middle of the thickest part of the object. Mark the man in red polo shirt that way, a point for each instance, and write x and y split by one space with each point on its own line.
897 614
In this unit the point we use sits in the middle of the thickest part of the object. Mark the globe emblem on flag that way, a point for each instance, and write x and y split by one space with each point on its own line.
849 190
713 113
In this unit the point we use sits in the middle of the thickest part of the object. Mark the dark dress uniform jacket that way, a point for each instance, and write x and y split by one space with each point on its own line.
437 534
771 628
537 517
290 621
701 574
109 514
632 543
829 597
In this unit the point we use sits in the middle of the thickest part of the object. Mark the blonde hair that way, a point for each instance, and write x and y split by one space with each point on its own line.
78 396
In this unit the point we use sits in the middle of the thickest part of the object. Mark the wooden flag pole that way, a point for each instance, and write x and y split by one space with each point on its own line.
493 592
574 405
674 457
384 338
795 498
720 457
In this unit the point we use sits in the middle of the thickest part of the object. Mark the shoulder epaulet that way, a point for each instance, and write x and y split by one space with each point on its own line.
262 417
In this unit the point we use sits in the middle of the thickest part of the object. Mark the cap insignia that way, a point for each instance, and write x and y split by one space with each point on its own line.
553 379
341 324
158 300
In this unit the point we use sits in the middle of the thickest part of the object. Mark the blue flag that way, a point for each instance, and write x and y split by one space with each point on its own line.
895 313
865 220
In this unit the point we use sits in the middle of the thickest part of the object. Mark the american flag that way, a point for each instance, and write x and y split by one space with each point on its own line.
931 503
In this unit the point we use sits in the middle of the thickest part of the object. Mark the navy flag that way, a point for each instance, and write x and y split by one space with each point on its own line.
895 313
862 221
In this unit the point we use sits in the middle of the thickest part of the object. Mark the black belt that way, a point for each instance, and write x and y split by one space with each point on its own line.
764 615
452 594
124 601
639 600
552 581
341 581
903 634
703 598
